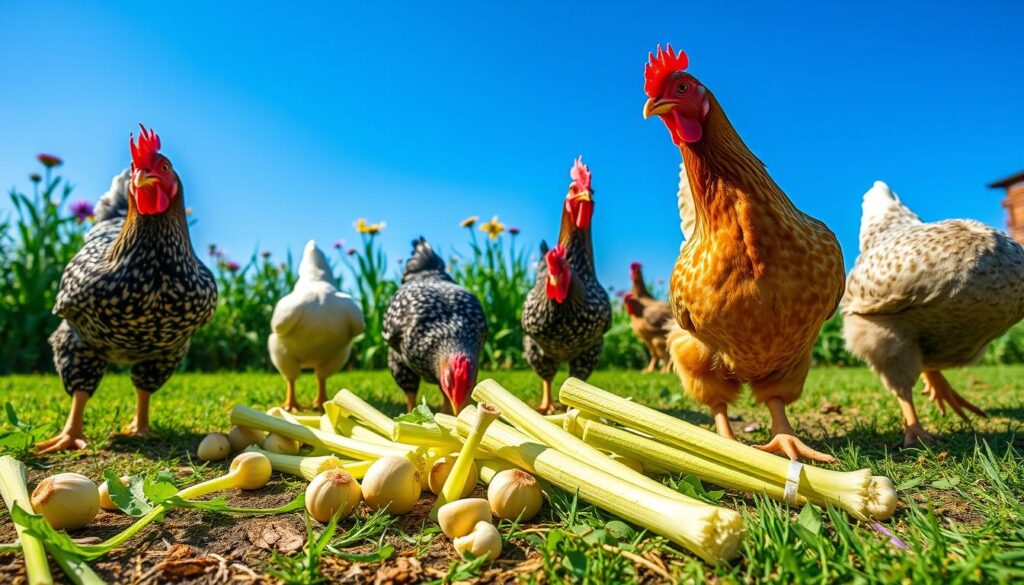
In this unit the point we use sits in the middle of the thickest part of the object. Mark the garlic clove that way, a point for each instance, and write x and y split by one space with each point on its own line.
214 447
242 437
484 540
277 444
459 517
68 501
440 470
104 490
251 470
514 495
392 483
331 492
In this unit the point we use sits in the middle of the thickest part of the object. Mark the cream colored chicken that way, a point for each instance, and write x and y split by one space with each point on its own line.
924 297
313 326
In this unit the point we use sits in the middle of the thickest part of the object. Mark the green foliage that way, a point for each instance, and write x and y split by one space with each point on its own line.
373 289
830 348
34 249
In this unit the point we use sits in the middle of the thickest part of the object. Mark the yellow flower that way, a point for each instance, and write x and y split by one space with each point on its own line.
368 228
469 221
493 228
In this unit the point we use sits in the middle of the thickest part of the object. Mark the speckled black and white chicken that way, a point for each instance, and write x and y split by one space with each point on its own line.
924 297
313 327
134 294
567 313
435 329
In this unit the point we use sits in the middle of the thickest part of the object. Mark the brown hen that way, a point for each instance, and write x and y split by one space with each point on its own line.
757 278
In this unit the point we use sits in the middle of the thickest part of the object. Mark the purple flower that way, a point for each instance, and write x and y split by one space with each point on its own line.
339 244
351 252
232 266
892 537
82 210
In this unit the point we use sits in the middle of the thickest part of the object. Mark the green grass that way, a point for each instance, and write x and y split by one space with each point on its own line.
960 519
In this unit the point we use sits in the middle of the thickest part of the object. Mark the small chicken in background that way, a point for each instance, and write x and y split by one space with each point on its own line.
925 297
435 329
134 294
567 313
756 277
313 327
652 320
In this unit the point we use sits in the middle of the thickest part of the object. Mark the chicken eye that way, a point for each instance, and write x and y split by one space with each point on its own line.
165 167
682 87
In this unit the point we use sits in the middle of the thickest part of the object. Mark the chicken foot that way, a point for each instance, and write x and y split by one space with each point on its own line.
721 414
941 393
785 439
140 423
321 393
72 436
547 404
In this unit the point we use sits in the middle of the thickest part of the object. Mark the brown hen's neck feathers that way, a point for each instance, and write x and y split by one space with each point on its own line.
167 229
732 189
639 289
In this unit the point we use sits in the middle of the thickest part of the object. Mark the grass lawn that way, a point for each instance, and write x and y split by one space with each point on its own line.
960 517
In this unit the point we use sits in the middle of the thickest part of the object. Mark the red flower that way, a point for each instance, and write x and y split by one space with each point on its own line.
514 231
49 161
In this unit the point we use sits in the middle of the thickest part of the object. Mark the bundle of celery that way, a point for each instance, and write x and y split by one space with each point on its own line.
677 445
712 533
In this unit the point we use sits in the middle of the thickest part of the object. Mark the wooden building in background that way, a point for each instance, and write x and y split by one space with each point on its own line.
1014 203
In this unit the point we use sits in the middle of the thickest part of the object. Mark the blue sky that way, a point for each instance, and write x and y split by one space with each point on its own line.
288 123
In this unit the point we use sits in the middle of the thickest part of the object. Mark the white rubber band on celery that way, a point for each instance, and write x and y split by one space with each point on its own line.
792 482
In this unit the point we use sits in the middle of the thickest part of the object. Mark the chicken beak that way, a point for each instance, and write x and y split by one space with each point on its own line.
141 180
656 107
585 196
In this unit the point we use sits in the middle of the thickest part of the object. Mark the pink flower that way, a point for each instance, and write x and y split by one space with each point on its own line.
82 210
232 266
351 252
49 161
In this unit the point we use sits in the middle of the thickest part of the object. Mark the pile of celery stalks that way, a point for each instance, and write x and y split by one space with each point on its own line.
602 450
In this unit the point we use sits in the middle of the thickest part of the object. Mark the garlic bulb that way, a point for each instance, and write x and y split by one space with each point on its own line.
277 444
485 540
459 517
440 470
67 500
214 447
332 492
392 483
514 495
242 437
104 490
250 471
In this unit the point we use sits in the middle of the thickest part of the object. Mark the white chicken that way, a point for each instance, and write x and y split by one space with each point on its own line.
313 327
924 297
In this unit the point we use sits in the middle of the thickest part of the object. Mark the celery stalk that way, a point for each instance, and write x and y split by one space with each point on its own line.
529 421
491 467
862 495
712 533
14 489
362 410
307 467
452 489
428 436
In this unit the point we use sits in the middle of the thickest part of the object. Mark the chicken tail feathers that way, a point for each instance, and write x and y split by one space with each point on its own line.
424 260
114 203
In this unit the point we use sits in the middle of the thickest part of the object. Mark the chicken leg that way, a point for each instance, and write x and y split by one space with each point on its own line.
290 403
776 393
140 423
72 436
939 391
321 393
547 404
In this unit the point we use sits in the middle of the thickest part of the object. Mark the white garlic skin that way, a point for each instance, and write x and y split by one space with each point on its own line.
392 483
484 540
277 444
68 501
214 447
331 492
514 494
242 437
442 468
459 517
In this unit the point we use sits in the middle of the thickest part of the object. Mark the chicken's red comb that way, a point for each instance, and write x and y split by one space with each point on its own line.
144 154
635 267
580 174
660 66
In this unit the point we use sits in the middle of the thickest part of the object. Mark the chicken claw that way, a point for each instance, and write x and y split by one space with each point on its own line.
915 433
794 448
938 390
135 431
65 441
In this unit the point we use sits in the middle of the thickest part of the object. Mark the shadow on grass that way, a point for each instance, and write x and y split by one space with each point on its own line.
164 444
